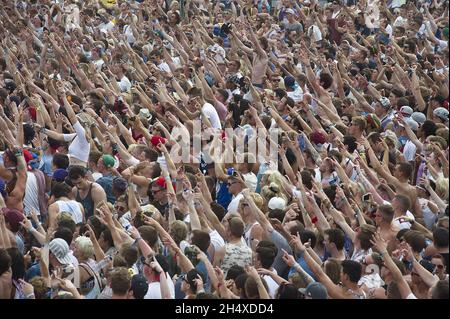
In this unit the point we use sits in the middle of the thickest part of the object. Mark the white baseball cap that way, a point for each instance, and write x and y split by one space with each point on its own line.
277 203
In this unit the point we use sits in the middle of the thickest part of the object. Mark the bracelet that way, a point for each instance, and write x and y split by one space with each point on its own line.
202 291
30 229
30 296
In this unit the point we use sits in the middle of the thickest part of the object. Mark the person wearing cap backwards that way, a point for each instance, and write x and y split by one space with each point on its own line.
441 115
106 166
158 191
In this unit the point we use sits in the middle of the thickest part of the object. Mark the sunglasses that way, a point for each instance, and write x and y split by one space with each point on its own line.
231 183
440 267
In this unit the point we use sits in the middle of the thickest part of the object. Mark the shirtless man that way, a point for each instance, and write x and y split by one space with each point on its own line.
15 175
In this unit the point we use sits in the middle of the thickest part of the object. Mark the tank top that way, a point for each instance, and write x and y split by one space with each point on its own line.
71 207
247 235
236 254
92 285
87 202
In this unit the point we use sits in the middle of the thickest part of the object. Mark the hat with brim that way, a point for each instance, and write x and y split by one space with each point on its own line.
60 249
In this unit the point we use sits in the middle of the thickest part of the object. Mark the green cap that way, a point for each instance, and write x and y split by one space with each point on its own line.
445 32
108 161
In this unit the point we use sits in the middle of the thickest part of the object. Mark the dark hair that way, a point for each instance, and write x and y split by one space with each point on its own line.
352 269
129 253
287 291
440 290
416 240
17 263
336 236
307 235
190 279
64 233
440 237
428 128
5 261
67 223
277 213
240 284
326 80
201 239
234 272
406 169
60 189
76 171
266 253
60 161
162 261
365 235
106 234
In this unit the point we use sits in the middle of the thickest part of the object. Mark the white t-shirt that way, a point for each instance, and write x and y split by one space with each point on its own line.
296 95
271 284
234 204
212 115
80 147
154 289
216 240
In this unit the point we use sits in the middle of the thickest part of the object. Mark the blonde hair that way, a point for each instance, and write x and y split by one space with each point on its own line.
85 246
442 188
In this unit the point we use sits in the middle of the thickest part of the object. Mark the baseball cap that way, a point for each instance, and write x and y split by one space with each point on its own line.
60 175
108 161
60 250
419 117
289 81
315 290
406 110
317 137
441 113
291 11
139 286
120 184
411 123
277 203
384 101
13 217
156 139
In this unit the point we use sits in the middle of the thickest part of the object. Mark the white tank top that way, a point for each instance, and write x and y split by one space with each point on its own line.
31 198
73 208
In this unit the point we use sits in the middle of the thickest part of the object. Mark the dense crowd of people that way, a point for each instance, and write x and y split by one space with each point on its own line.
135 140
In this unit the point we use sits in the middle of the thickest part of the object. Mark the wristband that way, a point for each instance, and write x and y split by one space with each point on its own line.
43 130
30 229
30 296
201 291
314 220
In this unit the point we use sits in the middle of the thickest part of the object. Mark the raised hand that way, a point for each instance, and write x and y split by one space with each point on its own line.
288 259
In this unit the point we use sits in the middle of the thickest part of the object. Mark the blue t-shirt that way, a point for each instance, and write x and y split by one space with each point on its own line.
223 196
106 183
